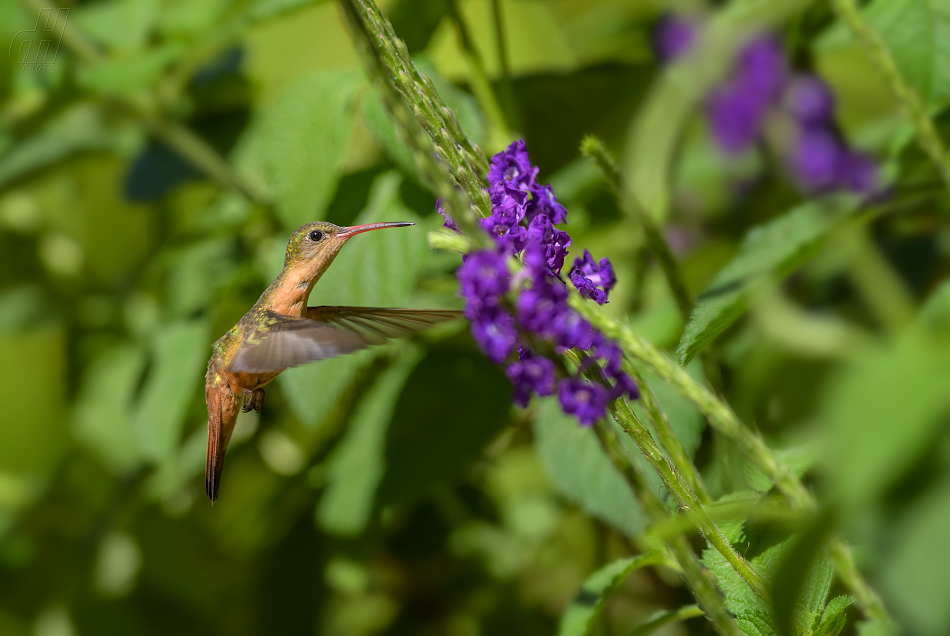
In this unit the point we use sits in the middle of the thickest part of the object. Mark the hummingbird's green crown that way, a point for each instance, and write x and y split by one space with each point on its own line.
311 240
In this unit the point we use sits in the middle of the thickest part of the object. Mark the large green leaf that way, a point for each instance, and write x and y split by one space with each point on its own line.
581 470
770 251
917 33
578 618
300 143
882 410
180 352
103 412
376 269
916 569
356 467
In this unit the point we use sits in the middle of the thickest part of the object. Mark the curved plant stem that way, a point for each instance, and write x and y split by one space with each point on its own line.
927 135
699 579
668 437
665 618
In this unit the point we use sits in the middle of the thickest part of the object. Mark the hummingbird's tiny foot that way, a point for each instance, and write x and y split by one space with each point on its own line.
253 400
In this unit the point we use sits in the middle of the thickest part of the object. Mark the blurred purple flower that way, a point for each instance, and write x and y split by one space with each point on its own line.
673 36
817 159
593 280
809 100
859 175
585 401
483 279
494 331
531 374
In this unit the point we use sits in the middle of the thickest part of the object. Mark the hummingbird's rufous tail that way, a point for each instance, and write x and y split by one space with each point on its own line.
222 415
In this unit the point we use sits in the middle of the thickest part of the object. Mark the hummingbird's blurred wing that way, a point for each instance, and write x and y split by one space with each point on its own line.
280 341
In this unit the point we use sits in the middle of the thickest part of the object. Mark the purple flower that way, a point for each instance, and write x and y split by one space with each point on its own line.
570 331
585 401
818 158
673 36
494 331
483 279
543 202
531 374
539 306
859 174
593 280
546 244
449 222
513 165
761 68
508 209
809 100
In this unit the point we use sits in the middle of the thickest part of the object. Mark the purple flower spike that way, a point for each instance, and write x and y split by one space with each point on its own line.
513 165
673 36
449 222
809 100
508 209
483 279
762 68
585 401
547 245
531 374
494 331
735 118
818 158
593 280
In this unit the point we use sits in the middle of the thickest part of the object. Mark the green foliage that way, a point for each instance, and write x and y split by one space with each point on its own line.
581 470
772 251
833 619
578 619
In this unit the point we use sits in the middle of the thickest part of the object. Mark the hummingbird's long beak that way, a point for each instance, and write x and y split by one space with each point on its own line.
353 230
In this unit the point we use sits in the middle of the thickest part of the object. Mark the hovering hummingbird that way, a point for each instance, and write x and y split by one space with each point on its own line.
281 331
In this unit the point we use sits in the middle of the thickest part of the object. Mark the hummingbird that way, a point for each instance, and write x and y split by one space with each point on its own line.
281 331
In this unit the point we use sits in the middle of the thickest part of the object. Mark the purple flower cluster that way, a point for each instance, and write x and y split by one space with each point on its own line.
522 222
762 89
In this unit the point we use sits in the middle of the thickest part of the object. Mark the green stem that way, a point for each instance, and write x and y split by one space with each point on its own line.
501 133
665 618
594 148
876 281
668 436
927 135
688 500
699 579
466 161
507 92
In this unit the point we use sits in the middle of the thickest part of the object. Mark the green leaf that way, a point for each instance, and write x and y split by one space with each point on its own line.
357 465
376 269
877 628
833 619
267 9
127 76
917 33
579 616
798 459
385 129
773 250
299 146
803 578
423 446
118 24
180 352
915 569
581 470
103 412
882 411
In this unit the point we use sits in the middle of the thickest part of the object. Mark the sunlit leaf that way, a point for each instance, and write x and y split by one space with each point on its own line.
770 251
581 470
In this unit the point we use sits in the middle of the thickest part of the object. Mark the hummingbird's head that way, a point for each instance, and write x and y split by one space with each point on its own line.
315 245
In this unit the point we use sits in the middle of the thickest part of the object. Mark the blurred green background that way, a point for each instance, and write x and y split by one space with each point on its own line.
148 184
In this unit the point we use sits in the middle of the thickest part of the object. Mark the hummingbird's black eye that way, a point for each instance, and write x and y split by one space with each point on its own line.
316 236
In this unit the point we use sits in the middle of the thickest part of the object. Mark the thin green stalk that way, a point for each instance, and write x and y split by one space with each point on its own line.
507 92
481 85
667 436
688 500
466 162
665 618
927 135
595 149
697 577
876 281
